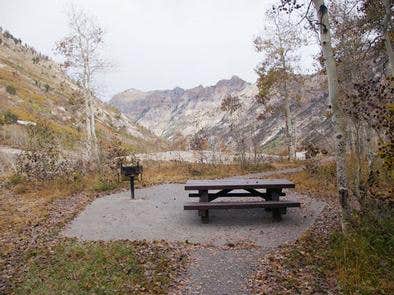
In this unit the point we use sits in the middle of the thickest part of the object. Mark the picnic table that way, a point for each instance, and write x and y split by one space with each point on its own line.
210 190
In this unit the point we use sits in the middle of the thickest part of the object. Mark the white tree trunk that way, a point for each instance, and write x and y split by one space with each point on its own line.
290 131
358 162
94 151
88 127
337 113
90 117
387 31
369 145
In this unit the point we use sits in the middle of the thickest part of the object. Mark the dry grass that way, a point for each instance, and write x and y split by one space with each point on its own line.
58 106
25 205
300 267
116 267
325 259
321 185
363 259
160 172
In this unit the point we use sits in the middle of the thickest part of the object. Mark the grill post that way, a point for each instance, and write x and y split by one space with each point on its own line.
130 173
132 186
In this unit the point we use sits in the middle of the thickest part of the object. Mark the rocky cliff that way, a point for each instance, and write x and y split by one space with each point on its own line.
184 112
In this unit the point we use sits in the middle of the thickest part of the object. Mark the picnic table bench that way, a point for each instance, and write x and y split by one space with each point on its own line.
223 188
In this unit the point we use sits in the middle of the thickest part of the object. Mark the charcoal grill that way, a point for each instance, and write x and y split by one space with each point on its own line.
130 172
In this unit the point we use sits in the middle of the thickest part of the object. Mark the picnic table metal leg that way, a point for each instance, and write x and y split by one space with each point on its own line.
282 210
268 198
276 212
204 213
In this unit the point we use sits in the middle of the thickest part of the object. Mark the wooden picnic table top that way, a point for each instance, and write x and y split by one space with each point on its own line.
238 184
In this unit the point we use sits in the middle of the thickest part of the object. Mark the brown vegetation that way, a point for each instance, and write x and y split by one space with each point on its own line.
159 172
324 259
34 91
34 211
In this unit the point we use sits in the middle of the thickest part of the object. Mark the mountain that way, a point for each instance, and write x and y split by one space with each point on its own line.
34 88
164 111
184 112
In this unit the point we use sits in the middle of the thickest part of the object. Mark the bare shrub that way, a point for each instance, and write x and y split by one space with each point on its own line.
199 143
41 159
10 89
112 156
312 163
13 135
8 118
7 163
230 104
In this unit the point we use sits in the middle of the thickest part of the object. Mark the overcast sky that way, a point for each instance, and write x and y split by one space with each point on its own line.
155 44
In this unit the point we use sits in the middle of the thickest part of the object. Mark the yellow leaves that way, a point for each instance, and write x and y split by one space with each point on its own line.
390 107
23 114
268 79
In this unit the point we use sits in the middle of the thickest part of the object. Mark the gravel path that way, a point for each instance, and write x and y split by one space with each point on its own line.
157 213
218 271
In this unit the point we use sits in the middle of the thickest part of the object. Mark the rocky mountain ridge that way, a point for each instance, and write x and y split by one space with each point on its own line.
172 105
184 112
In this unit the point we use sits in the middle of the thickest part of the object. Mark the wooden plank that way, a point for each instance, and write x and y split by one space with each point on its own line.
232 195
240 205
238 184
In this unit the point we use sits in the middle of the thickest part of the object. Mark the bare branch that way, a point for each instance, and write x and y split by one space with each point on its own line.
306 13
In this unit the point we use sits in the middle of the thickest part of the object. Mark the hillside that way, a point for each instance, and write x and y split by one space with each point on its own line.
184 112
34 88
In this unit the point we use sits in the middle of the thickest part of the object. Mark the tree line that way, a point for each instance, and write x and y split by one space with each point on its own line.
355 40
